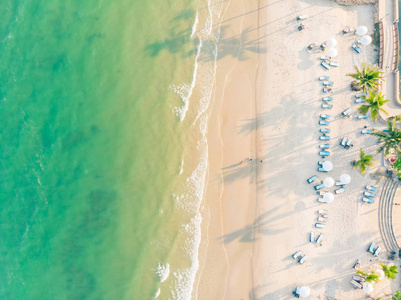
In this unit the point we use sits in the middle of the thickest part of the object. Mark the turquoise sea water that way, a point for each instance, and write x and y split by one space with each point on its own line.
103 155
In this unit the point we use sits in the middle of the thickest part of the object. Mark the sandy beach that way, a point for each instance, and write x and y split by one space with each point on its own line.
267 105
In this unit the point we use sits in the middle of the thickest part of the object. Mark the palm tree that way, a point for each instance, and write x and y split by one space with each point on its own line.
397 296
374 101
372 277
390 139
364 161
389 271
368 77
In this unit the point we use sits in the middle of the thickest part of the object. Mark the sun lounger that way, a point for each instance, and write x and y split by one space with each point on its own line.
312 237
334 64
322 170
370 249
368 200
358 278
371 188
348 144
324 146
346 112
296 254
327 98
325 65
321 219
296 292
328 82
324 57
360 95
343 141
320 162
324 123
318 187
339 183
369 194
319 225
324 138
324 153
377 251
339 191
358 285
366 131
322 78
327 106
319 239
324 117
327 89
363 116
312 179
323 212
356 48
303 259
325 130
360 100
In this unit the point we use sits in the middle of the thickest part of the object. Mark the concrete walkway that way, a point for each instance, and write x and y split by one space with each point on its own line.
388 16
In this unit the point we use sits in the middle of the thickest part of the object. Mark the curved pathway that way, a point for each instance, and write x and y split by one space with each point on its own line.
386 215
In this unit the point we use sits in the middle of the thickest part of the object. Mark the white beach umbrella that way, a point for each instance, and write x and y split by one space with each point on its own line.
328 166
365 40
345 178
328 182
304 291
361 30
333 52
328 197
367 287
331 42
380 273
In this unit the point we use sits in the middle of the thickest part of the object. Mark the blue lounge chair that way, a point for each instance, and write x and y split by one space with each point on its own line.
303 259
312 237
328 82
319 225
348 144
312 179
324 117
339 191
324 138
377 251
324 146
368 200
363 116
324 153
322 170
366 131
369 194
346 112
296 292
296 254
334 64
324 123
318 187
319 239
325 65
360 100
322 78
343 141
327 98
360 95
371 188
324 57
320 162
356 48
370 249
325 130
327 106
339 183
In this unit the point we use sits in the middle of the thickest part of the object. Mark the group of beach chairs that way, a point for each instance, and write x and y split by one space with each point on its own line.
324 118
374 251
322 218
368 194
299 257
327 63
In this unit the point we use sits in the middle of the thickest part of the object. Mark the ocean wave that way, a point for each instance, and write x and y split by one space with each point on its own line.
163 271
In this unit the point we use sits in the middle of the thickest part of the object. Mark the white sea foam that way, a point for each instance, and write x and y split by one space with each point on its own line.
182 167
195 25
163 271
157 294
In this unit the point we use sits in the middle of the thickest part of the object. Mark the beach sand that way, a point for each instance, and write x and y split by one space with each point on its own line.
267 102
